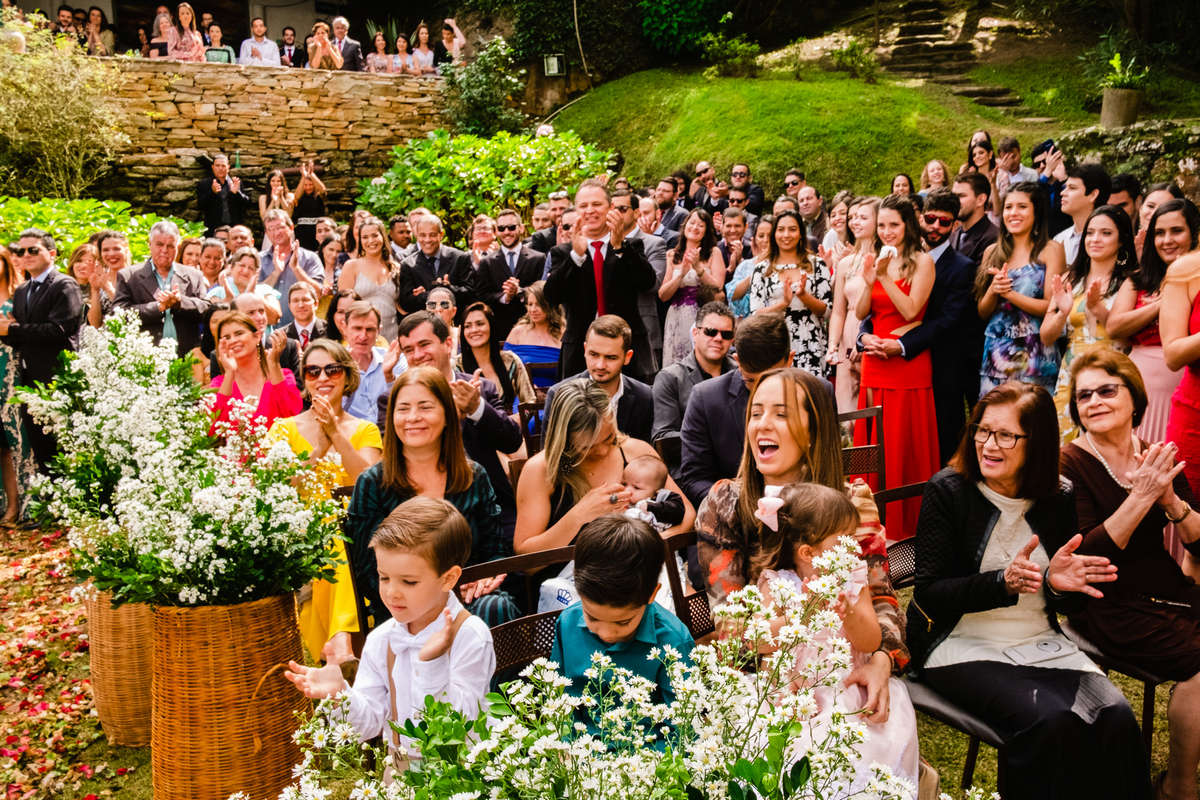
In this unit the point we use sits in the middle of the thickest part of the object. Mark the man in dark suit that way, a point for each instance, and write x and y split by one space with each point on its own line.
433 264
502 275
168 297
486 425
672 214
739 178
220 197
950 330
291 54
714 425
607 349
977 232
305 325
544 239
625 202
44 322
599 272
711 339
351 50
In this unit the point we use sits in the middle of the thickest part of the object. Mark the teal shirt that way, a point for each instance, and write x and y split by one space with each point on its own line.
574 645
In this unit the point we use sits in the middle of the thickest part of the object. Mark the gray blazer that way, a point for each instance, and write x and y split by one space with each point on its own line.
672 388
656 254
136 287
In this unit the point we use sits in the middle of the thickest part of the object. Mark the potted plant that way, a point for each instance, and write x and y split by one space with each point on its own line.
1123 89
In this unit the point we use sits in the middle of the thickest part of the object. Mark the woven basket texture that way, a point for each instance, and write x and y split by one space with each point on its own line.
223 713
121 652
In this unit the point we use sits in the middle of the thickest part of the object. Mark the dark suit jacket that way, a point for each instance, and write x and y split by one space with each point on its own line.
672 388
754 199
352 55
544 240
44 326
299 54
225 207
490 276
317 332
673 218
495 430
573 286
714 430
417 273
136 287
635 409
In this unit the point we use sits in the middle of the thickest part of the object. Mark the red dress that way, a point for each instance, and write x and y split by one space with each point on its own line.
905 390
1183 426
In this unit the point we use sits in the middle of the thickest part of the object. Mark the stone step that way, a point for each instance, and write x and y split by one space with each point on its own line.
932 71
922 5
936 48
971 90
1036 120
953 80
919 28
956 64
921 38
998 102
925 16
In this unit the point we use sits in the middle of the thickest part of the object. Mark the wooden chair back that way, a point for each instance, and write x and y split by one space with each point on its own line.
524 640
866 459
533 425
906 492
515 465
522 564
691 606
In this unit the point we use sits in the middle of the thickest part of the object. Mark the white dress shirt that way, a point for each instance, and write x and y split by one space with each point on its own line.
268 53
1070 239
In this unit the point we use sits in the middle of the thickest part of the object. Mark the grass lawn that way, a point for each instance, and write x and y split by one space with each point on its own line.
842 132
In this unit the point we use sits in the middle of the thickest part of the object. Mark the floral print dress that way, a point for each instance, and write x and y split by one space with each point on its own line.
1012 341
808 331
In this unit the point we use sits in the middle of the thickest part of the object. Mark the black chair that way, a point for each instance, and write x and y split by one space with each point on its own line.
866 459
533 425
906 492
515 565
690 606
524 640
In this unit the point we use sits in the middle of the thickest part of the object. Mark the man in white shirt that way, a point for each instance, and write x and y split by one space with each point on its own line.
1086 189
258 49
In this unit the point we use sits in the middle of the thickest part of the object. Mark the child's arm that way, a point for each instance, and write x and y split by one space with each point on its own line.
461 672
861 624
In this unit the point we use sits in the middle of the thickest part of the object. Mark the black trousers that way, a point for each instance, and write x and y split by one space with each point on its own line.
1067 734
43 444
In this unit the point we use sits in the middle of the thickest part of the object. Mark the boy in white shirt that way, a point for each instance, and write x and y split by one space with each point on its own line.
431 645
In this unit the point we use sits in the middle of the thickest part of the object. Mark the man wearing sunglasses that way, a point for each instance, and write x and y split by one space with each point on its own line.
793 182
712 337
502 275
951 330
44 322
752 193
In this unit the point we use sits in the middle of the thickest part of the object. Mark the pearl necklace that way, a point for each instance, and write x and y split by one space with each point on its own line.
1126 486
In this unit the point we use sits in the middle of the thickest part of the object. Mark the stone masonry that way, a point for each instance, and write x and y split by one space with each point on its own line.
264 118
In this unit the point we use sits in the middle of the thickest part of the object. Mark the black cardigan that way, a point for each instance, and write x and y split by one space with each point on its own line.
952 533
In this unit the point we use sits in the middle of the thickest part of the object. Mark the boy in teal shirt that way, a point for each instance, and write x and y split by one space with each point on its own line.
617 563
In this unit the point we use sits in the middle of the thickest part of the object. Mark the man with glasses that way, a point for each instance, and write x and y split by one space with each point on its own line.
502 275
563 231
626 203
711 339
739 200
951 330
752 193
45 318
793 182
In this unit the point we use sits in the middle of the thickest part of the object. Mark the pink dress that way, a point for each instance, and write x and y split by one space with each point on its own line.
278 400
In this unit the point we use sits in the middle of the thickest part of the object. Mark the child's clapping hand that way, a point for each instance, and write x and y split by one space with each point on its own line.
439 643
316 682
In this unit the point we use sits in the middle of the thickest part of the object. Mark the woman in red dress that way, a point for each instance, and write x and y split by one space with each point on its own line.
1179 325
898 288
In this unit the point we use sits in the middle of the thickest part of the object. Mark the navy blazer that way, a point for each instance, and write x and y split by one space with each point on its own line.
44 326
635 409
713 433
488 280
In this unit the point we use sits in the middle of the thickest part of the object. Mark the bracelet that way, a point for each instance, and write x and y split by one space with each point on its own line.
1176 520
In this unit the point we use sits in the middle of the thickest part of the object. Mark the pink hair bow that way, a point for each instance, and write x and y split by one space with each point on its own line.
768 511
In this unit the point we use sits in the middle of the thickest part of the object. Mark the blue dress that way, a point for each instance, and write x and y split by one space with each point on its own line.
1012 341
543 377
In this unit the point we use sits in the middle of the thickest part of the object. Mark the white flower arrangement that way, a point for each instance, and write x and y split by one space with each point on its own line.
734 731
158 511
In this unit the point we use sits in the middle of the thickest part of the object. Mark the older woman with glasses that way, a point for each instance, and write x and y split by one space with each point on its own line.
1126 491
996 559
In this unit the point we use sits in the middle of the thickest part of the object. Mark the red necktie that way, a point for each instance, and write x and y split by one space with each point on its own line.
598 271
303 339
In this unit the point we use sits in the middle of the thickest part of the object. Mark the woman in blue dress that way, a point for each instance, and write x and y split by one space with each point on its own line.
17 466
537 338
1011 291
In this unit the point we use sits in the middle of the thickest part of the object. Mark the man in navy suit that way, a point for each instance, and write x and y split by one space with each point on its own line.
44 322
433 264
607 348
714 424
672 215
950 330
501 276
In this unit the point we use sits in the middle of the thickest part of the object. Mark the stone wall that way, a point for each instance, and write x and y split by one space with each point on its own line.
264 118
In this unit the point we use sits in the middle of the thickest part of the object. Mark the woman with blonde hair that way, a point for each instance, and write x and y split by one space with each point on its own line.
936 175
577 477
17 467
848 286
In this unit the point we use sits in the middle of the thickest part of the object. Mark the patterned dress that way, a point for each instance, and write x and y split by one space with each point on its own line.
1082 335
1012 341
11 436
808 332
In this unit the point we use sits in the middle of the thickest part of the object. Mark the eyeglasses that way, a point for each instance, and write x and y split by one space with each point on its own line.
740 173
1106 392
504 228
714 332
941 222
1005 440
623 209
791 183
32 250
566 226
330 370
434 305
734 201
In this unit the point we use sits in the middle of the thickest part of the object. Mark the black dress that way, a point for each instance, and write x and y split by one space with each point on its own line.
309 208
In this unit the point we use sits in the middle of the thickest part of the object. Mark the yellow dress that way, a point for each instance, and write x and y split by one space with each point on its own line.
333 607
1082 335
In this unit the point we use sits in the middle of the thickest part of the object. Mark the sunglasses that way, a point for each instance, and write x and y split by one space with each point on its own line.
739 174
558 195
712 333
330 370
1106 392
733 201
623 209
434 305
566 226
791 183
32 250
941 222
504 228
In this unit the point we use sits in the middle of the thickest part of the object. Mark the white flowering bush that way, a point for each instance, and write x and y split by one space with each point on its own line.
739 726
158 511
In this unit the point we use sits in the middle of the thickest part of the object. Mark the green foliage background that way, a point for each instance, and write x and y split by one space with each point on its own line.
480 95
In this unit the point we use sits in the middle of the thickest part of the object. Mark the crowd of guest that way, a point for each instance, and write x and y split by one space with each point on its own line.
676 353
182 35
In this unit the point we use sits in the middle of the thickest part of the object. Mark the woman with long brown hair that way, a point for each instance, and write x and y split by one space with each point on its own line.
251 372
537 336
17 466
278 195
371 274
184 42
423 455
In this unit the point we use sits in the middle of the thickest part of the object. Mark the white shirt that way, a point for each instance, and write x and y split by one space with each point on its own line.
460 676
516 256
268 53
1070 239
578 259
616 398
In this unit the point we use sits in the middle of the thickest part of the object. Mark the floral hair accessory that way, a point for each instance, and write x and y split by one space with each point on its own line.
768 507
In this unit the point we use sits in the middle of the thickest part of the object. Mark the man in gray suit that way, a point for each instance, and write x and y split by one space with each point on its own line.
168 296
351 50
625 202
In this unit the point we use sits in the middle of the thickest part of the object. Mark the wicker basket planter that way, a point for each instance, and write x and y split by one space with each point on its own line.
120 650
223 712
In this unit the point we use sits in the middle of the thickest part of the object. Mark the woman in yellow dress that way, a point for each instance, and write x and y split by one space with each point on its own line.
345 446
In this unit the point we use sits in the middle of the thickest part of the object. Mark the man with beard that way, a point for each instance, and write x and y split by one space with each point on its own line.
951 330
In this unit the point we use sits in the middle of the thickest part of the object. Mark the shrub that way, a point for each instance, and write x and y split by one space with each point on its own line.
856 58
481 94
71 222
59 125
677 27
735 57
458 177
